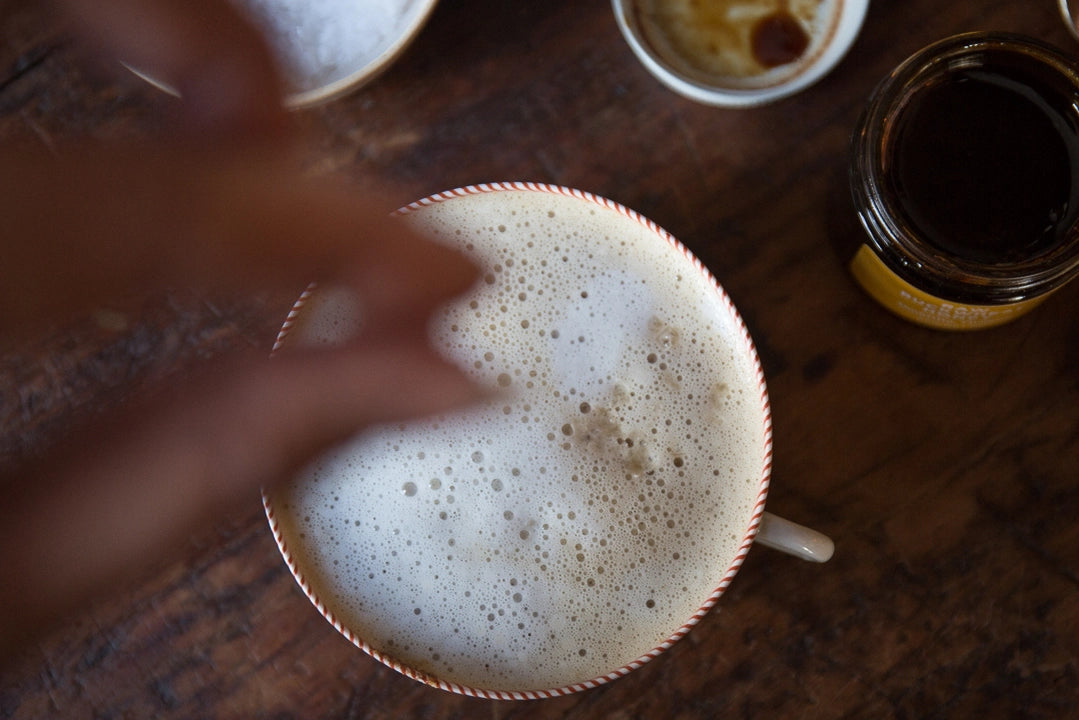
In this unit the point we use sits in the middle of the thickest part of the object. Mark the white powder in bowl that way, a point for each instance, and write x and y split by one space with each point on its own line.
322 41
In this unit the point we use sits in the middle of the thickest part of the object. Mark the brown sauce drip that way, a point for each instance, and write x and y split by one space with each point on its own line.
778 39
735 38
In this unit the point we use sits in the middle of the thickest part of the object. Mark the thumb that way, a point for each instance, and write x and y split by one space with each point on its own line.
136 490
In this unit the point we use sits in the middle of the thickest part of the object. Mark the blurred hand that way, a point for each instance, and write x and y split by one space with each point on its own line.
105 227
221 66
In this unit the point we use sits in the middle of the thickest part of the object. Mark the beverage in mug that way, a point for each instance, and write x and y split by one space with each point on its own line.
577 524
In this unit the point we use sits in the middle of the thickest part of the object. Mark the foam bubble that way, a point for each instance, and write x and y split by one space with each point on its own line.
577 521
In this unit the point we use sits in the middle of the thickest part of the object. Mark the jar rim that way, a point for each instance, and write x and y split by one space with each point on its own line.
896 243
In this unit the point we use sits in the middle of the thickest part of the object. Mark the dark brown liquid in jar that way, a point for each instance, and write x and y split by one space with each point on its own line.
965 177
985 160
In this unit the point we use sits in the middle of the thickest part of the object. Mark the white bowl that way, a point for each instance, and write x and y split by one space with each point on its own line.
314 76
832 35
1070 20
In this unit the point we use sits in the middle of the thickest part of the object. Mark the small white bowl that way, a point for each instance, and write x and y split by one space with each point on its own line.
355 70
1070 20
831 35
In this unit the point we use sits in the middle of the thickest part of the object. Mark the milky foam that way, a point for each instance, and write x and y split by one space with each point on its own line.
577 521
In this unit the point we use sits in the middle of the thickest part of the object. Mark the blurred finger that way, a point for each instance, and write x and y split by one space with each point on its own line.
99 228
136 490
218 62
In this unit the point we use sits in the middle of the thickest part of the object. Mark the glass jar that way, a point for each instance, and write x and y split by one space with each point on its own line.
965 176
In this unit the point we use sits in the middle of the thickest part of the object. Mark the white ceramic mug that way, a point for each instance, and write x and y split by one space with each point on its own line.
577 526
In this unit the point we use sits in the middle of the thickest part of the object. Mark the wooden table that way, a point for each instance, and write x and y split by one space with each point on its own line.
945 466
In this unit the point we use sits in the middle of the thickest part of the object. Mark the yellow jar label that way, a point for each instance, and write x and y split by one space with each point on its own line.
907 301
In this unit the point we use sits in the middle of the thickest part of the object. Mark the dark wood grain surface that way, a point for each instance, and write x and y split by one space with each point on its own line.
945 466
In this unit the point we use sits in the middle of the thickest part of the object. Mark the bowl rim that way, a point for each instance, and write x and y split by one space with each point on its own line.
378 65
312 97
850 16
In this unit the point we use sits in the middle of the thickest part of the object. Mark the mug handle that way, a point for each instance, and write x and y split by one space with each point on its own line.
794 539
